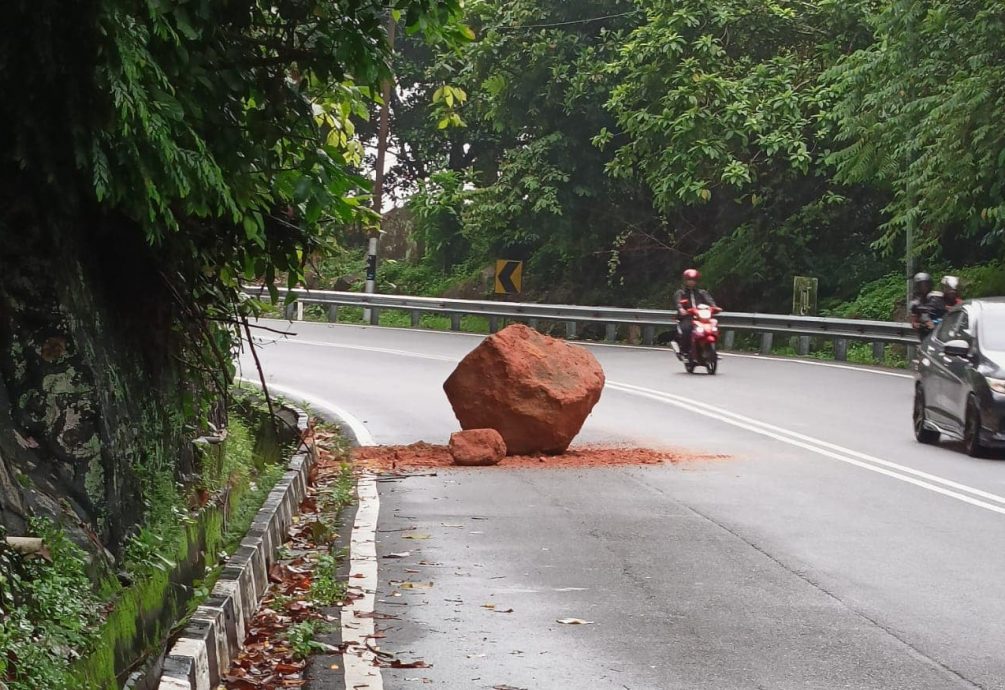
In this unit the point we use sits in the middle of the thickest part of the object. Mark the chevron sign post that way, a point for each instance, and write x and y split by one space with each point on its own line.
509 277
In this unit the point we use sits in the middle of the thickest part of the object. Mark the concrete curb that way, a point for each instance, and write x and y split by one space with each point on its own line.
215 633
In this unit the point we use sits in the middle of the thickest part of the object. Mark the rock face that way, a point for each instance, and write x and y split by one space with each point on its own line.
534 390
477 447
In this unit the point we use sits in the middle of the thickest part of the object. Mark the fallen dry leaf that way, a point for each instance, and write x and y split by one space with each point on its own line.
286 668
574 621
397 663
416 585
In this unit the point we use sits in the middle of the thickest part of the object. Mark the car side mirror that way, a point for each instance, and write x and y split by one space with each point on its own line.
957 348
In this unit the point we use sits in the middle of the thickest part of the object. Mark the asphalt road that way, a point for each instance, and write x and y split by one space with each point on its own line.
829 551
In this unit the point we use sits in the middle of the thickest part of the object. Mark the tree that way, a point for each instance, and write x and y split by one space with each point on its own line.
156 155
719 110
919 111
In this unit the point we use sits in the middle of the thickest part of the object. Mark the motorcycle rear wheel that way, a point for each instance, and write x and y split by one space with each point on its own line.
712 357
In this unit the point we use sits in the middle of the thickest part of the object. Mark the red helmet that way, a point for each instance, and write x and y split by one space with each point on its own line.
692 274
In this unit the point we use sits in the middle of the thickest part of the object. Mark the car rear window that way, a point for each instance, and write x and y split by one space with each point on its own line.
993 327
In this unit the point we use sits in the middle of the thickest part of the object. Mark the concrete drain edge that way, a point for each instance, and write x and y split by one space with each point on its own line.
216 631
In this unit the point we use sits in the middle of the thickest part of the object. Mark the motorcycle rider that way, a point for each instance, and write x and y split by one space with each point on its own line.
687 297
923 304
947 297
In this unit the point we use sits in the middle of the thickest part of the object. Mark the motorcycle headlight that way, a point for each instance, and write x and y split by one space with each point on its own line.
997 385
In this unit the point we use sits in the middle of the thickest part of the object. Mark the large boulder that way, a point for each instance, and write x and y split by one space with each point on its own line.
534 390
476 447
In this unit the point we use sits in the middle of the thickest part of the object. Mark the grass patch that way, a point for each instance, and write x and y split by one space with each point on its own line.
823 350
335 497
301 638
327 587
397 318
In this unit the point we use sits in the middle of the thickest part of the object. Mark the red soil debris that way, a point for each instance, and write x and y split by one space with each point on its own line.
424 456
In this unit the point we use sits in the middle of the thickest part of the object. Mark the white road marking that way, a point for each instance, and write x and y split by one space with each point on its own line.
365 348
357 615
864 369
919 478
363 436
830 450
829 365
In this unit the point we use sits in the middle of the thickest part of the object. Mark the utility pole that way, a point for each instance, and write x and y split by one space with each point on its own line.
909 260
909 267
370 315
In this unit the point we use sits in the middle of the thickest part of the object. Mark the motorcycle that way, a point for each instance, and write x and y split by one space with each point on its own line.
704 336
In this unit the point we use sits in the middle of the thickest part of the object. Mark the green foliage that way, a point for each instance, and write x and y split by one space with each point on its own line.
883 299
48 612
237 459
919 110
608 147
878 300
301 637
335 498
823 238
224 134
427 279
521 179
154 545
436 206
715 95
327 588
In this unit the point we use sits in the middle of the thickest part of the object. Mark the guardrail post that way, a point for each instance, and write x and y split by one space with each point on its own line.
804 345
300 310
767 340
374 316
910 352
648 335
841 349
532 323
612 332
879 350
416 317
493 324
290 311
729 341
570 330
455 322
332 313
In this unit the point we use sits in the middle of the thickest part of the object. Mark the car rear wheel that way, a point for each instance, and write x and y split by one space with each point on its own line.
972 430
921 432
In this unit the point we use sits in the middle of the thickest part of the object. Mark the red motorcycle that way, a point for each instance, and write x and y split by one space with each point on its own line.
704 336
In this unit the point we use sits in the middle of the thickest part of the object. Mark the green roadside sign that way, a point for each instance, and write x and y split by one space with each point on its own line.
804 296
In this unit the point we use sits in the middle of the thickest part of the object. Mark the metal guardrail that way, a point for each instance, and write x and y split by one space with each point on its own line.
841 331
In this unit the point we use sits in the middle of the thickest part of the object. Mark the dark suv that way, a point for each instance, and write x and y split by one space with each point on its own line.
960 389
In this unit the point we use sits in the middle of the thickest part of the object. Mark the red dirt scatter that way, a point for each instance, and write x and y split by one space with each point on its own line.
424 456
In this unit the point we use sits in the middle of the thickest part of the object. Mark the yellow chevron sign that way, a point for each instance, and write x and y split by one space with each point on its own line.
509 277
